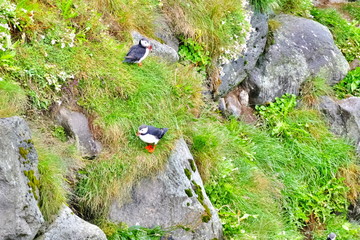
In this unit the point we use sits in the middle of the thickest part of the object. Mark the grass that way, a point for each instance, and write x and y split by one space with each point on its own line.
271 181
353 9
296 7
220 25
12 99
346 35
57 162
313 89
350 85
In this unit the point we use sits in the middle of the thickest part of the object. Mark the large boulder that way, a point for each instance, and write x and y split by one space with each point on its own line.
68 226
344 117
301 49
20 216
76 125
175 198
163 51
234 72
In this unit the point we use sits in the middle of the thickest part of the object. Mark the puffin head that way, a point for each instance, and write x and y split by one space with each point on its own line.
331 236
142 130
145 43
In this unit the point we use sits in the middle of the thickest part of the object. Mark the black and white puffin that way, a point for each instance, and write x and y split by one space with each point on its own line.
151 135
138 53
331 236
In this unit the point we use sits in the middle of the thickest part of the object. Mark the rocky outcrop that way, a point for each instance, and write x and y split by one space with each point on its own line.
300 49
233 73
236 103
68 226
174 198
158 49
20 216
164 32
344 117
77 126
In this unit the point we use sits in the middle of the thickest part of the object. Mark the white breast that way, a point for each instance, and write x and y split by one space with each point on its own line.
145 55
149 138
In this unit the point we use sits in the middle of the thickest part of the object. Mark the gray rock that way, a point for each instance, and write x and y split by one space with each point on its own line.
172 199
20 216
164 32
235 72
77 125
68 226
236 103
344 117
302 49
161 50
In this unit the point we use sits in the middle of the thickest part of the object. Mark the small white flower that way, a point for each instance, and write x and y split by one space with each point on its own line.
71 44
53 41
62 45
1 79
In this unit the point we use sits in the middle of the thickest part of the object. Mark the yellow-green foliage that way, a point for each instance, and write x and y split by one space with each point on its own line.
55 160
33 182
219 25
12 99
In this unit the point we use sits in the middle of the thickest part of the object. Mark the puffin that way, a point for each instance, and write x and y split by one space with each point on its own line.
151 135
138 53
331 236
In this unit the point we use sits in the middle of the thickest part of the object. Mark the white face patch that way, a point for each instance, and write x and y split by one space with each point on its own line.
143 130
145 43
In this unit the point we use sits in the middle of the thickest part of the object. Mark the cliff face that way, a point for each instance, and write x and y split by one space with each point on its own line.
20 216
173 199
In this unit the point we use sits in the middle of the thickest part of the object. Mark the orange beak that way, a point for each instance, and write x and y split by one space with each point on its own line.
137 134
150 48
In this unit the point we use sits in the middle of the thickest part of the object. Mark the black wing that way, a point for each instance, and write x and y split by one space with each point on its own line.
135 54
158 132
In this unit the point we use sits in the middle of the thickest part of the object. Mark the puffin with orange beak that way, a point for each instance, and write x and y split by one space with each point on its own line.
151 135
138 53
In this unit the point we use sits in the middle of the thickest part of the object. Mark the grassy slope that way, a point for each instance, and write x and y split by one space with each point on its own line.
260 182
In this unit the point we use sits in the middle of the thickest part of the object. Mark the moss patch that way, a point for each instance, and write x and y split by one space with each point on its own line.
187 173
192 165
23 152
189 192
33 182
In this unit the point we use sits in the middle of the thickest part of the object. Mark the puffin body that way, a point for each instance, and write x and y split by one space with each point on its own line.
151 135
138 53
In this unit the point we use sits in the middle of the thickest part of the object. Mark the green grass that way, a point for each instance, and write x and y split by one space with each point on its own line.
353 9
346 35
296 7
268 181
12 99
212 23
264 6
350 85
313 89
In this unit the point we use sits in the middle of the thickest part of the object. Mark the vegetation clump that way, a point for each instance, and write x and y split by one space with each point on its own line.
33 182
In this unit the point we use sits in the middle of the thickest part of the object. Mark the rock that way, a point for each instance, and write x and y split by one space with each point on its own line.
301 49
164 32
77 125
236 103
354 64
235 72
174 198
344 117
161 50
68 226
20 216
